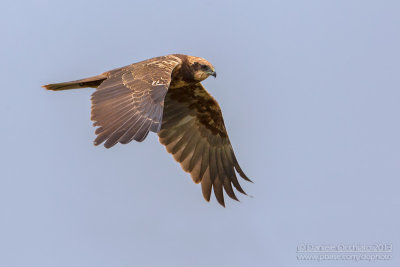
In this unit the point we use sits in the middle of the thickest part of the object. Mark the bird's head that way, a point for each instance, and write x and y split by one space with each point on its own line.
201 68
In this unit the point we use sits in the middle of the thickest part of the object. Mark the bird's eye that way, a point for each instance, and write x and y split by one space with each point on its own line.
204 67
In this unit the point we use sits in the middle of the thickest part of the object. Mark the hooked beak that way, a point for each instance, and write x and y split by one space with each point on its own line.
213 74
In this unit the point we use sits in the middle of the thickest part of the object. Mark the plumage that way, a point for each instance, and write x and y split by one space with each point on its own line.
165 95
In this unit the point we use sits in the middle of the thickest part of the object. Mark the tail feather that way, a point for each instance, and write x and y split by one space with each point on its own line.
94 81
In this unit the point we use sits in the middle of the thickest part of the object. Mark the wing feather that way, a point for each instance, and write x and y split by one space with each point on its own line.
189 148
205 163
212 162
219 193
206 185
196 162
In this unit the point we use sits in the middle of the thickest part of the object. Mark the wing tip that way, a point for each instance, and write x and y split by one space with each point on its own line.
206 198
220 199
242 174
97 143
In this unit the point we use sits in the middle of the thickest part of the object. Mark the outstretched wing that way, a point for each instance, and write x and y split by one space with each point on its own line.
193 131
129 103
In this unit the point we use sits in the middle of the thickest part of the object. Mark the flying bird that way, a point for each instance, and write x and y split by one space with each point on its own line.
165 95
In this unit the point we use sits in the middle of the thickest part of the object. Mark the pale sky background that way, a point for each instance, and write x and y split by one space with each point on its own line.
310 92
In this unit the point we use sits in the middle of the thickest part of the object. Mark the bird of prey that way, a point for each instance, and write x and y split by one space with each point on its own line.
164 95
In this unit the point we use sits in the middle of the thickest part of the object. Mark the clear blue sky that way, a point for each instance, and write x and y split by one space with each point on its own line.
310 92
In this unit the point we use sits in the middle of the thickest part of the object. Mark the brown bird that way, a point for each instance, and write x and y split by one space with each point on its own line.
164 95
